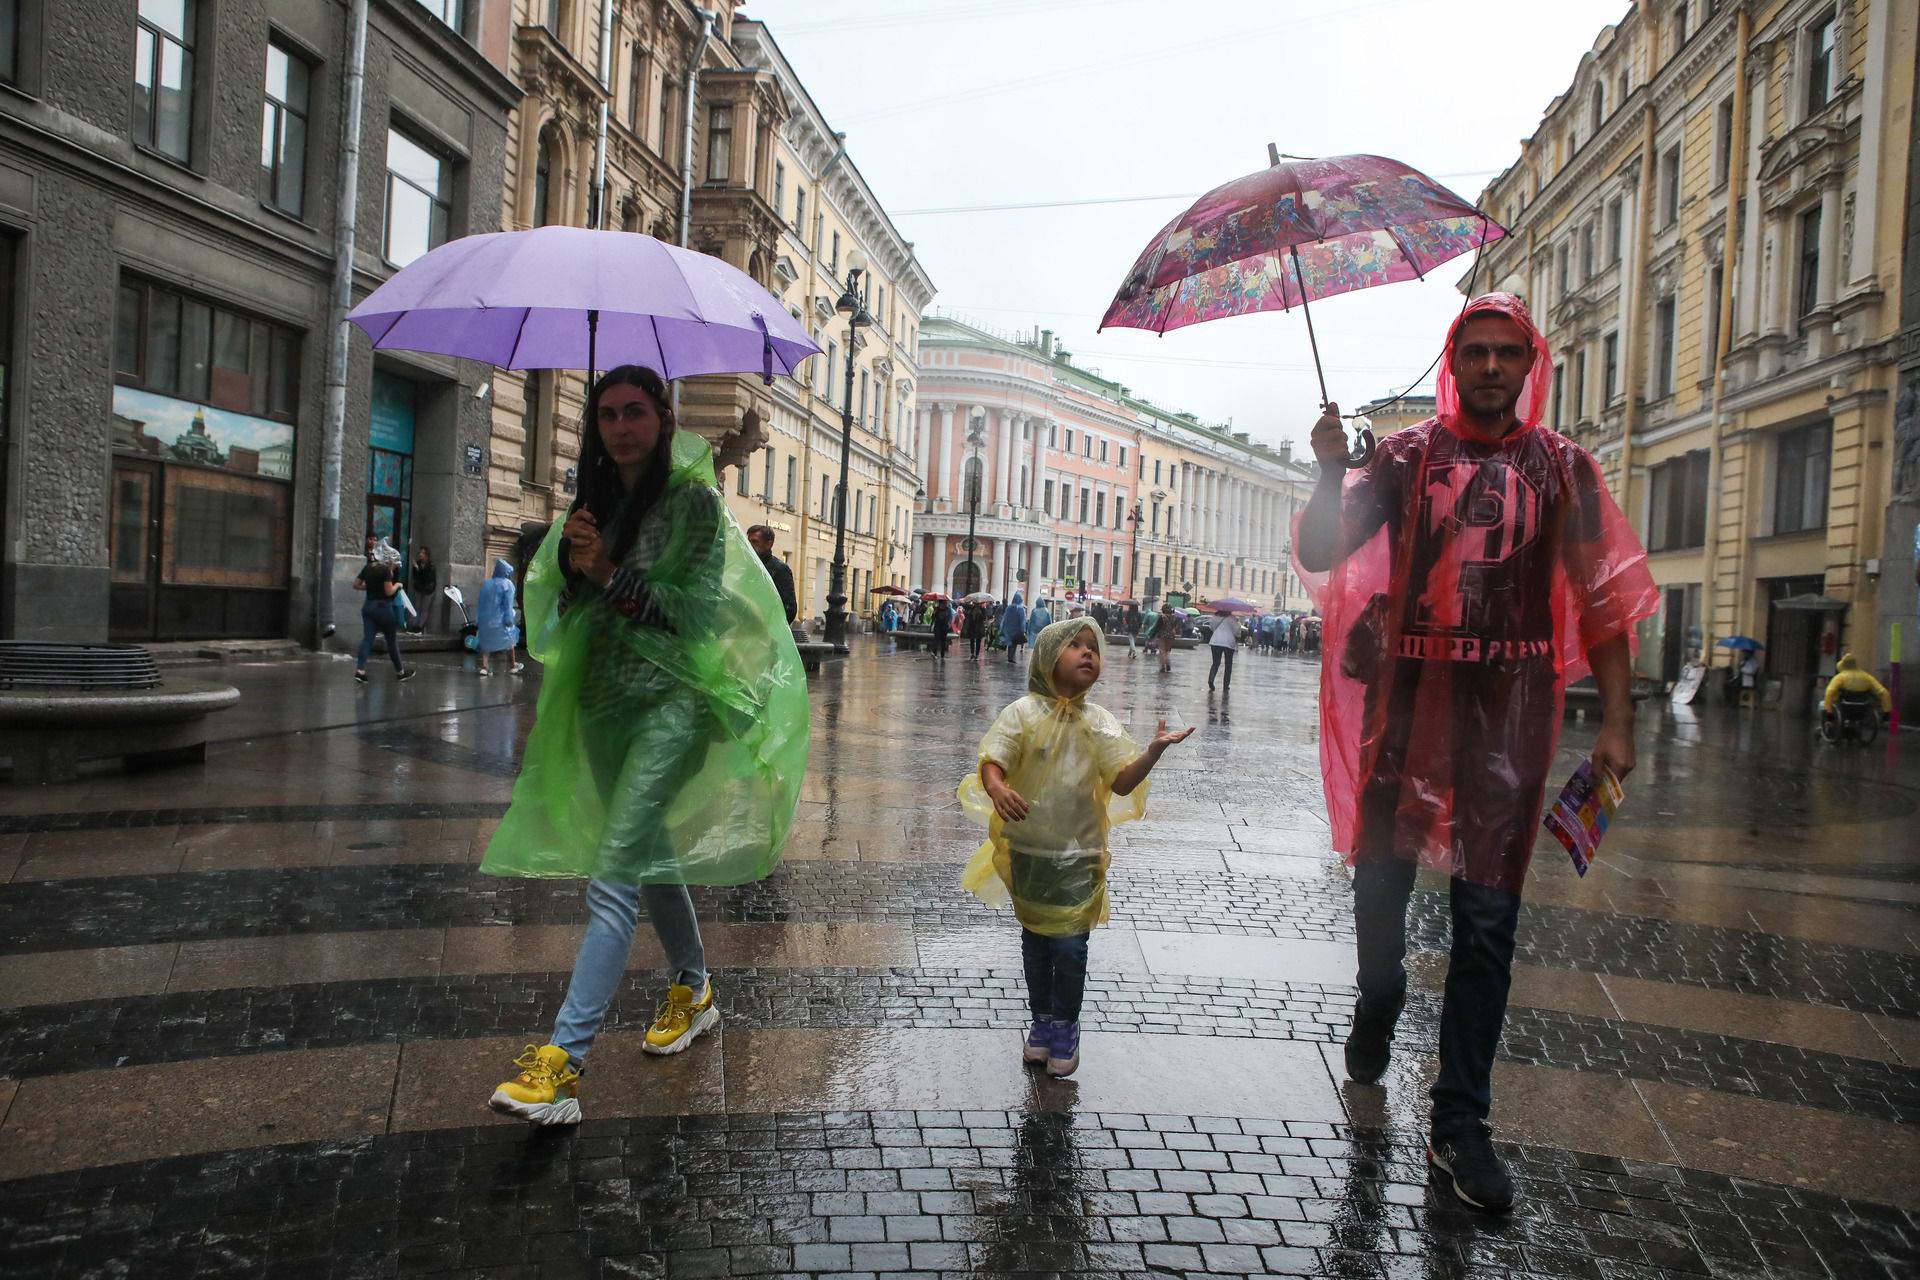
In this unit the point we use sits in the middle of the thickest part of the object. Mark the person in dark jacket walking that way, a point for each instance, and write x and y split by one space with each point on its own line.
976 629
423 585
942 628
760 537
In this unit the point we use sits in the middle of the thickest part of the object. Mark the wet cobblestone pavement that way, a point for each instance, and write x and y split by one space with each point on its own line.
249 1013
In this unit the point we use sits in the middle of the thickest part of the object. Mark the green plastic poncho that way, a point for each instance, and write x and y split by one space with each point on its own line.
1061 755
658 755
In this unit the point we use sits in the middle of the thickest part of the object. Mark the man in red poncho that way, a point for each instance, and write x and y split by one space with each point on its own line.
1466 575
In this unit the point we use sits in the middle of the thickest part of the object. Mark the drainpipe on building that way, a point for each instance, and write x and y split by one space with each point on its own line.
598 219
333 431
1631 362
1736 179
686 137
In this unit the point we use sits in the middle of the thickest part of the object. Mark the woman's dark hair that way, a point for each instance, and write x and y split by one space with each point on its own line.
600 489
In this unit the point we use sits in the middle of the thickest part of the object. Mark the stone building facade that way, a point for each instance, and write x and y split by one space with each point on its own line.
167 204
1709 224
1074 488
831 222
739 112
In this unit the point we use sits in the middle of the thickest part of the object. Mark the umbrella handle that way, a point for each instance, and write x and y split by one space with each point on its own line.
1363 449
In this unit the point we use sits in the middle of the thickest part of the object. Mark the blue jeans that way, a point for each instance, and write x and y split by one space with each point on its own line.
613 913
378 617
1479 976
1056 974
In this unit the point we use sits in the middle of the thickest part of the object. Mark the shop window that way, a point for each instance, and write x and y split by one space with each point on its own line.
283 130
163 70
1677 503
419 199
226 531
1801 462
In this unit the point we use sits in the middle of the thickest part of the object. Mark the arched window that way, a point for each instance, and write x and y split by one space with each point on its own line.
544 195
966 579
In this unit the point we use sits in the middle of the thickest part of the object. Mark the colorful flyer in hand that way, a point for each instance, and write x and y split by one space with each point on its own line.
1579 817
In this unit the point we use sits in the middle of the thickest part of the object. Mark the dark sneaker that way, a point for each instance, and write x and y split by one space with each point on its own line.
408 674
361 676
1063 1057
1474 1167
1370 1043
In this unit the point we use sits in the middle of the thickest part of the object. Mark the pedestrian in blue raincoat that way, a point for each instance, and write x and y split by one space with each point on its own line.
497 632
1013 626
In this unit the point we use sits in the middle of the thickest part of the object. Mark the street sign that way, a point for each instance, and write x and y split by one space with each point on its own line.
473 460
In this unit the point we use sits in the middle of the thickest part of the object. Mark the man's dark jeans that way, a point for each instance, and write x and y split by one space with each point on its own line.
1056 973
1220 654
1479 975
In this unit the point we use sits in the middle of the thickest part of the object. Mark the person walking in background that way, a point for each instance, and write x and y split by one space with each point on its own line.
1165 627
1013 626
942 628
497 631
423 584
1049 770
1039 618
975 628
671 733
760 538
1222 640
379 615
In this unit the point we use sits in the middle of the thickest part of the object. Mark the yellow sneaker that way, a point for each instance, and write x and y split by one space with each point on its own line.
546 1090
681 1018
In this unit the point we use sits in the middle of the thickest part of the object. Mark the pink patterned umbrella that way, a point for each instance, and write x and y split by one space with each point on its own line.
1297 230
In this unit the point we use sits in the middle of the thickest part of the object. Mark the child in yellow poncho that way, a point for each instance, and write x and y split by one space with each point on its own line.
1056 772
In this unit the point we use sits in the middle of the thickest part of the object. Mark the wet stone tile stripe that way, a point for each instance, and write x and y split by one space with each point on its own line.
225 815
63 1038
56 915
925 1192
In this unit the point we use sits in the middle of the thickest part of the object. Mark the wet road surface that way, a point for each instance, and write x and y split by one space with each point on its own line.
250 1012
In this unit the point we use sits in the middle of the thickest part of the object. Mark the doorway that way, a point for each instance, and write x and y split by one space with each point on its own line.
133 548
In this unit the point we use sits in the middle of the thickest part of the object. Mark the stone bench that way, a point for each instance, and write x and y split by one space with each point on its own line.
815 652
48 732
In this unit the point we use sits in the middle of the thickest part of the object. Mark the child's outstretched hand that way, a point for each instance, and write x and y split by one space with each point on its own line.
1007 802
1162 739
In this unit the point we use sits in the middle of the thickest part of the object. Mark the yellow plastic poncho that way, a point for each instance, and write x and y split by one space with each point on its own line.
661 755
1061 755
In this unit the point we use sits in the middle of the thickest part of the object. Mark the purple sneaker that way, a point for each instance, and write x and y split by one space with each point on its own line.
1039 1046
1064 1057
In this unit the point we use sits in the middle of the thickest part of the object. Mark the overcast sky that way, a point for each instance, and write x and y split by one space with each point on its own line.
951 103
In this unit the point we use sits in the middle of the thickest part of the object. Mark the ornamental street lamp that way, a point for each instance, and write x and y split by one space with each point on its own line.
976 436
851 305
1134 517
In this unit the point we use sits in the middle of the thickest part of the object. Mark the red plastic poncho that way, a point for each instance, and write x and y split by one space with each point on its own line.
1480 574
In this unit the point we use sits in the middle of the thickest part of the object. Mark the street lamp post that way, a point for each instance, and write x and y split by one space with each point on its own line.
976 436
1134 517
853 307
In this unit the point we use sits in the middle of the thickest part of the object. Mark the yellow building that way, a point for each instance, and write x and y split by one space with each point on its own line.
832 224
1390 413
653 51
1708 223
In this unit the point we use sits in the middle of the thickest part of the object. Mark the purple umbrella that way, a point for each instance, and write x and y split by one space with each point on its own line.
572 298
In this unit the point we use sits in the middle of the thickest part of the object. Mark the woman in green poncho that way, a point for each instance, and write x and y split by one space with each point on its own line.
671 733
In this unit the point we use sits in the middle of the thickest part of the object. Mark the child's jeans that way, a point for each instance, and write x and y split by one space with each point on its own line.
1056 973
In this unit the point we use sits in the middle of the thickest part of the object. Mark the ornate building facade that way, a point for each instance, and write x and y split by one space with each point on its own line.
1071 487
555 55
1708 222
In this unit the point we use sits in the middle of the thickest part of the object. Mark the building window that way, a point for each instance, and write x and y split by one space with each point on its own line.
825 497
1156 471
1800 478
1596 109
799 209
1562 271
543 177
1710 349
536 425
1820 64
283 131
1807 284
779 189
1045 556
741 484
1559 385
1085 503
1086 445
10 43
1663 340
793 481
450 12
636 87
1046 495
1670 187
1099 508
419 199
1067 441
719 144
163 77
178 345
1677 503
863 395
1586 253
833 263
1609 369
669 92
1722 143
1103 451
1580 385
1616 232
1680 31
